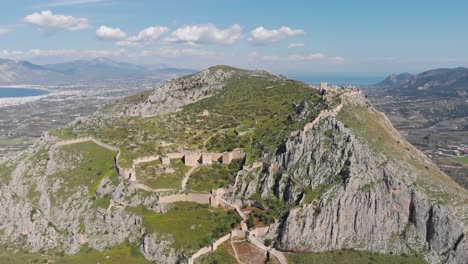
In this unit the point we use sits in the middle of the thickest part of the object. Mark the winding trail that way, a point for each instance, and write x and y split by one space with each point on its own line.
187 176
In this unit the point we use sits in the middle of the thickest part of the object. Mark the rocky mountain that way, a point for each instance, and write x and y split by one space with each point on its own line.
21 72
98 69
433 83
225 154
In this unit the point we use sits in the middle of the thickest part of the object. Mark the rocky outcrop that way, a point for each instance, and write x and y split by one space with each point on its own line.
363 199
174 94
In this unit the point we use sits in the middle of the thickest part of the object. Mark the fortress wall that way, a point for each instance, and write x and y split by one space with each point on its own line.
200 253
200 198
238 154
145 159
191 159
217 156
220 241
227 157
177 155
207 159
209 248
238 233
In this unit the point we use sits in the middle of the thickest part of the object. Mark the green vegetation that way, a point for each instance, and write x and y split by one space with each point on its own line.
219 256
191 225
463 160
218 175
119 254
259 106
153 174
272 206
352 257
315 194
86 164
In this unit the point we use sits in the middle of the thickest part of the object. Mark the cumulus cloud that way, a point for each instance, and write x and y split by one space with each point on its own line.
143 37
262 36
171 52
295 45
205 34
49 22
108 33
5 31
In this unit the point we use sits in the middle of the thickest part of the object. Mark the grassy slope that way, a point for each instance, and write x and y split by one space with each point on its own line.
120 254
463 160
260 105
207 178
152 174
91 164
191 225
220 255
350 257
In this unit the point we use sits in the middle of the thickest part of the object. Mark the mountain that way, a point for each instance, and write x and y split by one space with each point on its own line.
23 72
433 83
96 70
99 68
279 167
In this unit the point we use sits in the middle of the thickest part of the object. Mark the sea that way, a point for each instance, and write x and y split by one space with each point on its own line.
16 92
342 79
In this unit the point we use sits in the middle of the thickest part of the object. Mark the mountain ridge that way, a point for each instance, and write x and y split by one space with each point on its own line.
323 170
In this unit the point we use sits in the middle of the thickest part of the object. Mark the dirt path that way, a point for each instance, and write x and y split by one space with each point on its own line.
187 176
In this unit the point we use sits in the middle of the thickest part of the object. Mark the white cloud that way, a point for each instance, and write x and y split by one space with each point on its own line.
55 3
149 33
108 33
145 36
307 57
5 31
205 34
295 45
170 52
262 36
50 23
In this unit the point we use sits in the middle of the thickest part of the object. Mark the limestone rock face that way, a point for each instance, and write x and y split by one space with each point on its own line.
368 201
176 93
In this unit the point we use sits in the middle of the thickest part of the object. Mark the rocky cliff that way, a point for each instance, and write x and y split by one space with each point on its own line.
346 194
346 180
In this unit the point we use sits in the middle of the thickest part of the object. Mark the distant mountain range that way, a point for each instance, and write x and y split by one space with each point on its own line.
437 82
24 72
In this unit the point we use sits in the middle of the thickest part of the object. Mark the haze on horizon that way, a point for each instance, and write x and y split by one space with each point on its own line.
300 37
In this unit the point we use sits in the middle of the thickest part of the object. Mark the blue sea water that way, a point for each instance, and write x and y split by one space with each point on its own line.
20 92
342 79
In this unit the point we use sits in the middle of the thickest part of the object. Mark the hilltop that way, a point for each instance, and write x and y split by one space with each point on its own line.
225 154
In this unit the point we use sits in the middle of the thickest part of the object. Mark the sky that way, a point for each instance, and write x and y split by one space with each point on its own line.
290 37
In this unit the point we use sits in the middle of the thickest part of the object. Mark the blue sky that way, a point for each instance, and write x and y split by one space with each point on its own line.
283 36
